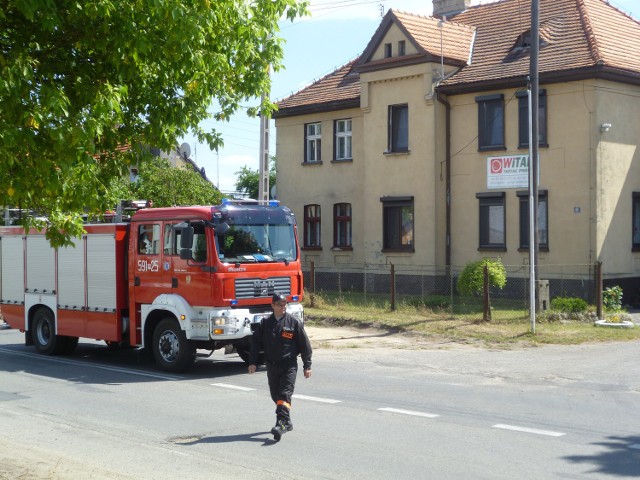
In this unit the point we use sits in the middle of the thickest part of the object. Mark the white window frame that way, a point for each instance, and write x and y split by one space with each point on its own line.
343 134
313 142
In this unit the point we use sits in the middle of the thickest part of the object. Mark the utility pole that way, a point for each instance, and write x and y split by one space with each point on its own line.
533 157
263 186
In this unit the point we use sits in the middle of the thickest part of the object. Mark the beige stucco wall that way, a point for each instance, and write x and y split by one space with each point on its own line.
325 183
618 174
373 173
587 173
568 156
393 36
401 174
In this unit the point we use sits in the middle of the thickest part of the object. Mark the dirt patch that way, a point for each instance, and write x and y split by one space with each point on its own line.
339 334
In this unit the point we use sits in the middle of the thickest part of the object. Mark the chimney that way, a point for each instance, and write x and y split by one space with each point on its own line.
449 8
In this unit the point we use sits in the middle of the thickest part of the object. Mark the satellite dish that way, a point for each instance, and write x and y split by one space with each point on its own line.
185 150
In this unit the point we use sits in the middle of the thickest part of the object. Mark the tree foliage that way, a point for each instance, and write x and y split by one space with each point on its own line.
81 79
166 186
471 280
248 180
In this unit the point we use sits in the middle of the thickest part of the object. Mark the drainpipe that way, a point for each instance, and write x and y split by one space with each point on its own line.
447 106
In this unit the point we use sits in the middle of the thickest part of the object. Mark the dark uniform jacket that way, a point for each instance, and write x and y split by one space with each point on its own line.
282 341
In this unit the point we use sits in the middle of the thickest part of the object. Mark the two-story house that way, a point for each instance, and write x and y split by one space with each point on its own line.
417 152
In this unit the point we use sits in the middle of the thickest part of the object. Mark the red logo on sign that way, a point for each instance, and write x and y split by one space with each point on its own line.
496 165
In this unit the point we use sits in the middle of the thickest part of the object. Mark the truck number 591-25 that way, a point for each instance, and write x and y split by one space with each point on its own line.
148 266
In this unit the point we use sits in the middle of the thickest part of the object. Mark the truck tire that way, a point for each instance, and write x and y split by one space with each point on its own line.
172 350
245 354
43 333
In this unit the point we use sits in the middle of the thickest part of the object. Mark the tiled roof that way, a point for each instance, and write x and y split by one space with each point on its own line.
579 37
617 35
576 35
426 31
337 90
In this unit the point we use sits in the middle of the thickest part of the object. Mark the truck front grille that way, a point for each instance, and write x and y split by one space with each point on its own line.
262 288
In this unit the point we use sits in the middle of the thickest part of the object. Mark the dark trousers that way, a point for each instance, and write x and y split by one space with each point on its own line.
282 381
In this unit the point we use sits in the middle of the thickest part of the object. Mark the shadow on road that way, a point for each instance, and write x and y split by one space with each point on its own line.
621 458
95 363
257 437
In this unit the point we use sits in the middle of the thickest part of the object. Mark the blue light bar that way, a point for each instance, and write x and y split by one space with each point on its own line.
234 302
274 203
295 298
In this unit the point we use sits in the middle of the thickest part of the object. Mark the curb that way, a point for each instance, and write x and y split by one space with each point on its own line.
622 324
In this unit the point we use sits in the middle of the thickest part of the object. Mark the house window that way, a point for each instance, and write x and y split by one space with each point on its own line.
398 128
312 142
490 122
342 225
397 224
492 221
402 49
523 119
342 129
387 50
636 222
312 226
543 225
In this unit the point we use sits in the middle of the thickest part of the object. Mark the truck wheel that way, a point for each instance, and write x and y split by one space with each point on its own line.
245 354
43 332
171 349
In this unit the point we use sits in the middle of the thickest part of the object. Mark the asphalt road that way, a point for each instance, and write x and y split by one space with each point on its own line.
377 407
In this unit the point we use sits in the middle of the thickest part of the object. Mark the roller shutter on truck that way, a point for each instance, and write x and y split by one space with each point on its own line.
12 270
71 285
41 264
101 273
96 292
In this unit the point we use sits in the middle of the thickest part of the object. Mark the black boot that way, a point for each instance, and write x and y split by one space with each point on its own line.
288 425
278 430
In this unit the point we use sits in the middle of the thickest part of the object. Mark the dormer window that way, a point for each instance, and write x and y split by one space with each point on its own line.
522 46
401 48
525 40
387 50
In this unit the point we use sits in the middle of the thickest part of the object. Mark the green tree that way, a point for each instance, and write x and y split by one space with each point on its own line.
167 186
81 79
471 280
248 180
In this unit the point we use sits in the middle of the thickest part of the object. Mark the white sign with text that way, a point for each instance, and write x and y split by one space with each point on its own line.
508 172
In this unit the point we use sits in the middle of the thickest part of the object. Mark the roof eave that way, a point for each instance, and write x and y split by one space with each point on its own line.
597 71
407 61
317 108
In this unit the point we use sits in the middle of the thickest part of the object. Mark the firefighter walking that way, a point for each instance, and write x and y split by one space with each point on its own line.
282 337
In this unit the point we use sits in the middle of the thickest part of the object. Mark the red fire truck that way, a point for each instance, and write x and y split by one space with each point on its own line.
173 280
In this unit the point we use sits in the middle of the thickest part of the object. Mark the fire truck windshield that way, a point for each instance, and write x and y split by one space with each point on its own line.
257 243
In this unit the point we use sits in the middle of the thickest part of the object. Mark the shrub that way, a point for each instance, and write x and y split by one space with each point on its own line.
569 304
612 298
470 281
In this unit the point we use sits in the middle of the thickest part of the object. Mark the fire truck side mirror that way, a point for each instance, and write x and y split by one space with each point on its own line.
186 242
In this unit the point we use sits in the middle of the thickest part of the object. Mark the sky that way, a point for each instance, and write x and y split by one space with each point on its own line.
336 32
